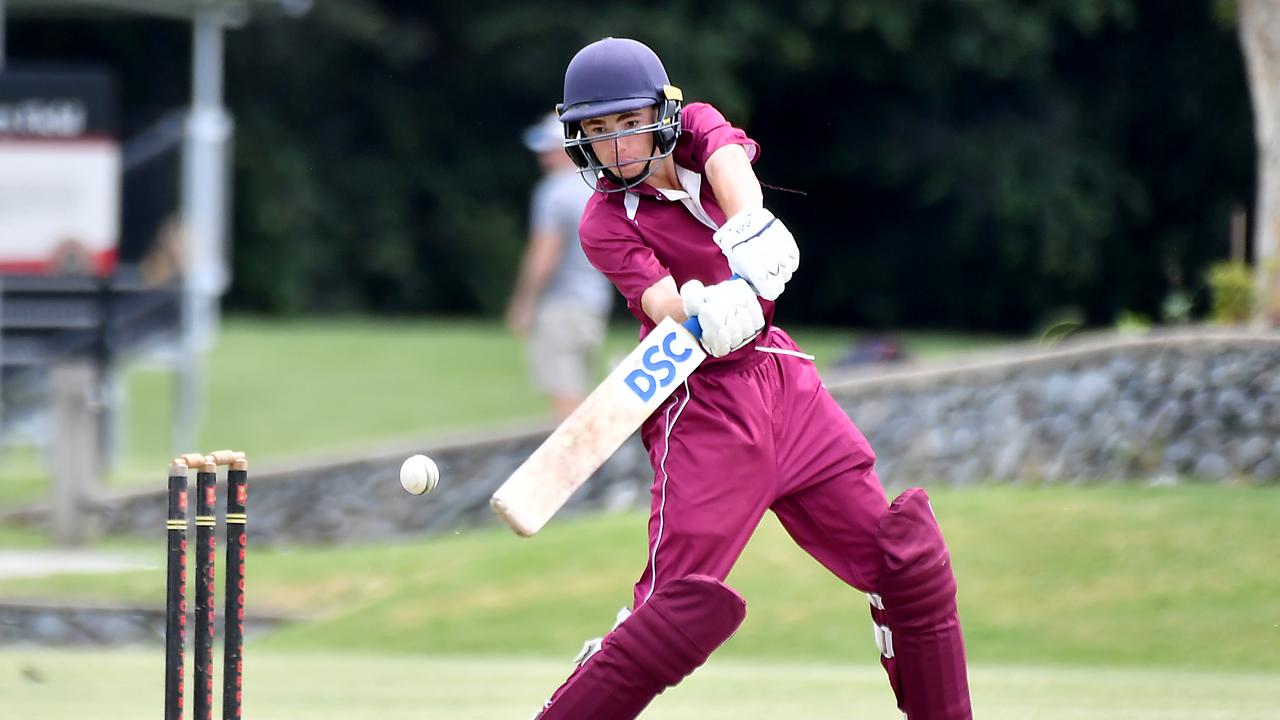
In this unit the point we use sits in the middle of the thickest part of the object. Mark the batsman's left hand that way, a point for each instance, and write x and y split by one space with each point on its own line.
760 249
729 313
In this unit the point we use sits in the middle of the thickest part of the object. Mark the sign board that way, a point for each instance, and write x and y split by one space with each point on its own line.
60 172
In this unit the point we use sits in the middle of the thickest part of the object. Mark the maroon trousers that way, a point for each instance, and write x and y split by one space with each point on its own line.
764 434
761 435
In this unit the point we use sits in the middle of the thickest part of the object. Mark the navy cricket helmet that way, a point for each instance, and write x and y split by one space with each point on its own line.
611 76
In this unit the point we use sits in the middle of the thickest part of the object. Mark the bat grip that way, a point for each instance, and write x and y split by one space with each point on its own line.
694 327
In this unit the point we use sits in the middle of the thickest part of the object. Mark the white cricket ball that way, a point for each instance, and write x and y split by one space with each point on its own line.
419 474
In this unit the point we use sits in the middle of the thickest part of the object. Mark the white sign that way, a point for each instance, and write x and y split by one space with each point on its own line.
60 172
59 204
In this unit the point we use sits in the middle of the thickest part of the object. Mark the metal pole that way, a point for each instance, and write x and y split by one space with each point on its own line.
75 461
204 205
3 365
1 35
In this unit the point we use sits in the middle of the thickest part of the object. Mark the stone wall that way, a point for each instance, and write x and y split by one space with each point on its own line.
341 498
1154 408
61 624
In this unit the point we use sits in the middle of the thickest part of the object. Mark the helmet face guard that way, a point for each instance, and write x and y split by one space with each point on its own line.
665 130
610 77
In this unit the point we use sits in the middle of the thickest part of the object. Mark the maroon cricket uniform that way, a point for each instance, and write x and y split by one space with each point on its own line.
749 432
752 431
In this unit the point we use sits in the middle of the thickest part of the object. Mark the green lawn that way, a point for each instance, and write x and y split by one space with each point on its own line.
278 388
1179 578
341 686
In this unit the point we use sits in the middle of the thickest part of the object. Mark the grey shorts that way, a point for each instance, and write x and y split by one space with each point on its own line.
563 344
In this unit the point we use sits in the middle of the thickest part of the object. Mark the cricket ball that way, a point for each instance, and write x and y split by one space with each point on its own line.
419 474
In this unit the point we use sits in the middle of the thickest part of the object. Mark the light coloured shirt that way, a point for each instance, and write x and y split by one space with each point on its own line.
558 201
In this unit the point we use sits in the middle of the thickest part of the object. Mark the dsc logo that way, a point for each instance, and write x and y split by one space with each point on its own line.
658 366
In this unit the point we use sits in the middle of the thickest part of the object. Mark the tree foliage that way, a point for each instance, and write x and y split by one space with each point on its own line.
970 163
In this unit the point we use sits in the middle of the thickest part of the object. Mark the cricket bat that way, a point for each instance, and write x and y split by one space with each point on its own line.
580 445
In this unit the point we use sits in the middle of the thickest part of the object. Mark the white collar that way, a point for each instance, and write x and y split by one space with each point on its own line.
690 195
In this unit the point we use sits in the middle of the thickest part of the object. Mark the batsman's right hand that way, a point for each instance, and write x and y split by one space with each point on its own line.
729 313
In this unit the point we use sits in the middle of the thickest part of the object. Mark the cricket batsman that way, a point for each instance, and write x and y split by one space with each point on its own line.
679 226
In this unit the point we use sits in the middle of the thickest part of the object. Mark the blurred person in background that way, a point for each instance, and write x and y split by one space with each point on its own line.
561 303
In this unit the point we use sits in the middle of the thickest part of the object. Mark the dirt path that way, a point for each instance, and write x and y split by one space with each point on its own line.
37 563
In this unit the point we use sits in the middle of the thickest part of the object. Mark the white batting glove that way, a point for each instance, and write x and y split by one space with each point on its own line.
761 249
729 312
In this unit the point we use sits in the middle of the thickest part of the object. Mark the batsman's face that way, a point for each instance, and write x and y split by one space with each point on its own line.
628 154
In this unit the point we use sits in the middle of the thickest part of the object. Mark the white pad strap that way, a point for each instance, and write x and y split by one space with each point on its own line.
592 646
883 635
884 639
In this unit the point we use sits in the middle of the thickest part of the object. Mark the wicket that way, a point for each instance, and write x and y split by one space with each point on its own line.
176 588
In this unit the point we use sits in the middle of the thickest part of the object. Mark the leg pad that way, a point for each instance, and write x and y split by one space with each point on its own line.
918 622
662 642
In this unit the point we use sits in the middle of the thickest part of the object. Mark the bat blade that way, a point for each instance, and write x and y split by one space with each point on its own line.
610 414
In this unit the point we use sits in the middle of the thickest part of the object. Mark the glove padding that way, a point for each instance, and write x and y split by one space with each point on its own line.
729 313
761 249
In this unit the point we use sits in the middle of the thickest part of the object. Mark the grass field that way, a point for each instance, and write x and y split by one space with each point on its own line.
1079 603
277 389
345 686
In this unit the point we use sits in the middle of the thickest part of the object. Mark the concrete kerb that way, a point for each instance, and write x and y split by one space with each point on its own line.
1076 349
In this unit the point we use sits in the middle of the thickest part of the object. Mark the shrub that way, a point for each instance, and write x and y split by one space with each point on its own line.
1231 292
